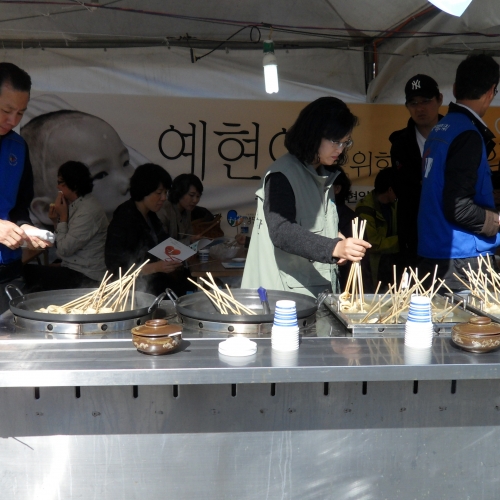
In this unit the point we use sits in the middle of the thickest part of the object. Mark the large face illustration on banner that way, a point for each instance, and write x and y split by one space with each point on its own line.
61 136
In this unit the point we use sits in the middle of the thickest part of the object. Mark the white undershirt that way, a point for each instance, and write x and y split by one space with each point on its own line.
420 141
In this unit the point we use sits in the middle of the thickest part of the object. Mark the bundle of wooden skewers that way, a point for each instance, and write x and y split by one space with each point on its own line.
225 303
108 298
484 284
387 308
353 297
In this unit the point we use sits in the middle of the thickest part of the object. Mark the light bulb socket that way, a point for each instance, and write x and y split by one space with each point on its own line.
268 46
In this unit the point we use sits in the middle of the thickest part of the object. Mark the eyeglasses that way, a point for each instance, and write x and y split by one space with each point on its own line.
423 102
342 145
60 182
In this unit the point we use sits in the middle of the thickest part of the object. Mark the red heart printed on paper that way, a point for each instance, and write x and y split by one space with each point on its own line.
170 250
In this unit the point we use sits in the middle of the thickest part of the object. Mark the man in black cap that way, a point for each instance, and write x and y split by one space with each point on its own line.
423 100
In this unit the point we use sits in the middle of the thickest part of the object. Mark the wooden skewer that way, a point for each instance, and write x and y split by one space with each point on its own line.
245 309
213 298
235 301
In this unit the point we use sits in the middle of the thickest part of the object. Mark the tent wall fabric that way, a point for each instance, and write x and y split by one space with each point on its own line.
304 74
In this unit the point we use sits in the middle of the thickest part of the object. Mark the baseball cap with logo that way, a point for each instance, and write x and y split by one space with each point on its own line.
421 86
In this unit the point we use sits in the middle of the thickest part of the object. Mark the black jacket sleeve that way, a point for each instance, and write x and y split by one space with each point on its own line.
462 163
285 233
20 213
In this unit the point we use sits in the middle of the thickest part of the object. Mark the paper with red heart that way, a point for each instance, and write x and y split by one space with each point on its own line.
172 250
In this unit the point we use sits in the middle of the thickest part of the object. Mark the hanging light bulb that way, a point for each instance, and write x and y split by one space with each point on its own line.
453 7
270 68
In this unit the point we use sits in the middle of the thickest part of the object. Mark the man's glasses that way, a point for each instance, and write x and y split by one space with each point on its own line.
342 145
422 102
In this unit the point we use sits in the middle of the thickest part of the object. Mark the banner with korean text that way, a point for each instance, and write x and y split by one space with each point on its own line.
228 144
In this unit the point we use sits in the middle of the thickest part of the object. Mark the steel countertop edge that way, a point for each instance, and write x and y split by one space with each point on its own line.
116 362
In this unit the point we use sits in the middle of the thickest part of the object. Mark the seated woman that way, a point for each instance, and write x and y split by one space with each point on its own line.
175 215
135 229
80 231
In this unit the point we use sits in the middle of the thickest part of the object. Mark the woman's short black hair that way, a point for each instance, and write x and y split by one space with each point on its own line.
76 176
181 185
324 118
146 180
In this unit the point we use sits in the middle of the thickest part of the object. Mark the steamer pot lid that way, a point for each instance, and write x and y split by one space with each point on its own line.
478 325
156 328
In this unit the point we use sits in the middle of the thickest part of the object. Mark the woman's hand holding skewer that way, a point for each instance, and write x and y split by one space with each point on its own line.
352 249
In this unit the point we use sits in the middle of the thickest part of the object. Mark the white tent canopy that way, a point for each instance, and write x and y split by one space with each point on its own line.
322 46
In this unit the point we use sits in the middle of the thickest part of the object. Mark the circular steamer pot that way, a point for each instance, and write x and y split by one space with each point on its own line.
26 306
156 337
196 311
479 335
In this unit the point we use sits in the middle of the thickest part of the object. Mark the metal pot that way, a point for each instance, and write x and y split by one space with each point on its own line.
156 337
197 311
25 306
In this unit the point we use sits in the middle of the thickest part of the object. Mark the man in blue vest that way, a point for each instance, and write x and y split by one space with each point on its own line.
457 219
16 178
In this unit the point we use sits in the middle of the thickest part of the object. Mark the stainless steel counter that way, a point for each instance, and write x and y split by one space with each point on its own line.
87 362
343 418
29 359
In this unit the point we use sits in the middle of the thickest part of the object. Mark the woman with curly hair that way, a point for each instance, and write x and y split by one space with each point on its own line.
295 244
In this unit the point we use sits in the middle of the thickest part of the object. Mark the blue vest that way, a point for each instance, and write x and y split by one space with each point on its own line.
12 156
438 238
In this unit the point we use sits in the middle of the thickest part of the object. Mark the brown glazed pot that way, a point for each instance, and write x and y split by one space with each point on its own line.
156 337
479 335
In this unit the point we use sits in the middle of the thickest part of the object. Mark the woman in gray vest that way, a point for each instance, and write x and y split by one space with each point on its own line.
295 244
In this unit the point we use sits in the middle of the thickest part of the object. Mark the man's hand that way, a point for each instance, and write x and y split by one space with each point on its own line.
60 208
11 235
351 249
34 242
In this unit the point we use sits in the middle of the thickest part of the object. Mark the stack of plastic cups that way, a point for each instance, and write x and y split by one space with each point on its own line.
203 255
285 330
419 331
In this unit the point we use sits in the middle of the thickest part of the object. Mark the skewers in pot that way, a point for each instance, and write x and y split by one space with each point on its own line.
108 298
222 301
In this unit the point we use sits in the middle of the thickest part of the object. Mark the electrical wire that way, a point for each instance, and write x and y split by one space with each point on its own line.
197 58
282 28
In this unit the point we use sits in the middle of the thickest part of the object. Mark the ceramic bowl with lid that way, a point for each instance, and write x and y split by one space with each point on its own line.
157 337
479 335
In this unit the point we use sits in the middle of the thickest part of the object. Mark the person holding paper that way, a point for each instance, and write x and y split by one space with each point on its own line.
135 229
175 214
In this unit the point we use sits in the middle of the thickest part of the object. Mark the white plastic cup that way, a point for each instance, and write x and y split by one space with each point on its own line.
417 356
420 309
285 313
285 338
285 304
284 358
203 255
418 335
